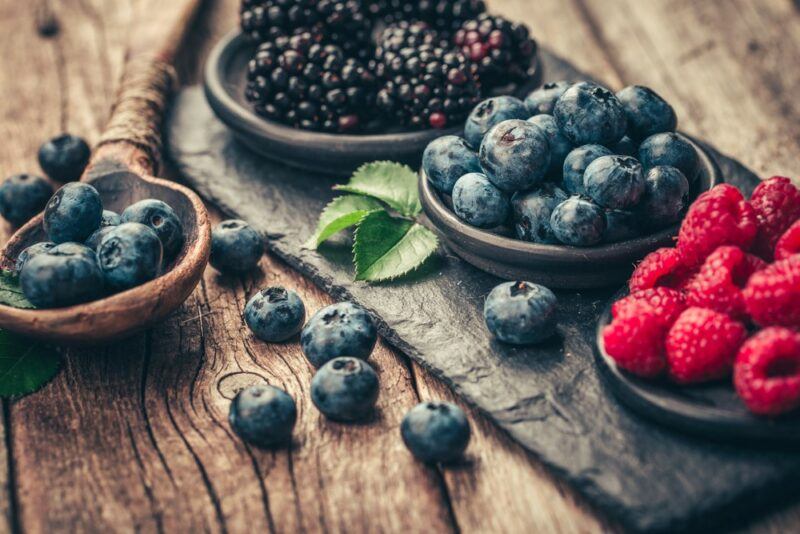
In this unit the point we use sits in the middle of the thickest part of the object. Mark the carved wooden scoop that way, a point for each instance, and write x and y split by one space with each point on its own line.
122 169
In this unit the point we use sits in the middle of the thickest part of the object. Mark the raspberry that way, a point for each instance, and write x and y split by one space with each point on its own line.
667 303
718 217
660 268
777 205
702 345
767 371
636 340
789 243
719 284
772 295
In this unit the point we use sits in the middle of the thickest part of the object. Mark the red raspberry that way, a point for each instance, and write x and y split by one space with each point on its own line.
772 295
667 303
718 217
789 243
767 371
662 268
702 345
719 284
636 340
776 202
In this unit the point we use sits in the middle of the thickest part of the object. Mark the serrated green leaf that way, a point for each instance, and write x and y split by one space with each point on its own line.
341 213
389 182
11 293
387 247
25 365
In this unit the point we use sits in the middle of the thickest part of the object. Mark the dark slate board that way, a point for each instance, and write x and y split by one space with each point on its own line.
549 398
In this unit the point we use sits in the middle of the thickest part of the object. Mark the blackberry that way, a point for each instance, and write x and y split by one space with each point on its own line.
446 16
405 34
305 84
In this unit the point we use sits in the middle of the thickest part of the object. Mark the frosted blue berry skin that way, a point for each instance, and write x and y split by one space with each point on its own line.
515 155
646 112
109 220
64 158
615 182
342 329
67 274
521 313
532 211
575 166
666 196
447 159
345 389
23 196
489 113
478 202
590 114
236 247
30 252
670 150
73 213
129 255
436 432
621 225
275 314
263 415
543 99
560 146
626 147
578 222
162 219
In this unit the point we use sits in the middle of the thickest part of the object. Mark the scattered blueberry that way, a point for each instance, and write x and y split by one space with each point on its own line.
666 196
162 219
626 147
521 313
532 211
590 114
436 432
478 202
447 159
235 247
130 255
615 182
515 155
560 146
65 275
109 220
275 314
543 99
263 415
64 158
23 196
73 213
578 222
345 389
621 225
32 251
646 111
342 329
671 150
575 166
491 112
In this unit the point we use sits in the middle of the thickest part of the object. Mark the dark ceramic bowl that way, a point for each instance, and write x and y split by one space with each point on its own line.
555 266
225 79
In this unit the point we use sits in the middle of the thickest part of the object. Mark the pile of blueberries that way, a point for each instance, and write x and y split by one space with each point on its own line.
573 164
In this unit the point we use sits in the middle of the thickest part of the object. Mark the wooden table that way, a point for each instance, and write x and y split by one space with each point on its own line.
135 436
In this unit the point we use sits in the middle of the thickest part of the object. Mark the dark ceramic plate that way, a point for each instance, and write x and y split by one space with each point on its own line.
710 410
225 76
555 266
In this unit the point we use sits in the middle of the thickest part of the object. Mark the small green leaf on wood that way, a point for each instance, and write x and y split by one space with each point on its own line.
25 365
11 293
342 212
387 247
390 182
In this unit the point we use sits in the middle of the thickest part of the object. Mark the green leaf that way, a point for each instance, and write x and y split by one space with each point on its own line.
10 292
342 212
392 183
25 365
386 247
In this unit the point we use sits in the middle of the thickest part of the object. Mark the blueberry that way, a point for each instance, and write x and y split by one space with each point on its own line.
615 182
578 222
275 314
666 196
64 158
109 220
575 166
626 147
65 275
543 99
447 159
621 225
647 112
590 114
671 150
23 196
436 432
130 255
235 247
520 313
515 155
342 329
160 217
345 389
73 214
478 202
263 415
560 146
32 251
532 211
491 112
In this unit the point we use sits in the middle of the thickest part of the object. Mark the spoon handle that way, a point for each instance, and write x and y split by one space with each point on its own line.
132 138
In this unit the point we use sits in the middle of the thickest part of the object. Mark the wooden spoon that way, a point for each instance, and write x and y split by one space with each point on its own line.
122 169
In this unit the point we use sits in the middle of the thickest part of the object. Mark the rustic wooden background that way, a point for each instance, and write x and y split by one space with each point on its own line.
135 436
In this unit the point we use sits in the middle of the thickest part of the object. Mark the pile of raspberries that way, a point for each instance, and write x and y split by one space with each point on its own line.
724 302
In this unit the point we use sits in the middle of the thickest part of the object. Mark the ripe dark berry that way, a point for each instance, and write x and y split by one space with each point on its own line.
65 275
436 432
343 329
521 313
22 197
64 158
73 213
129 255
263 415
345 389
275 314
30 252
235 247
162 219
